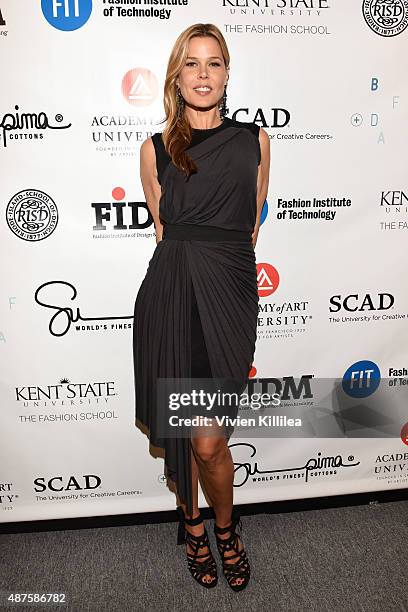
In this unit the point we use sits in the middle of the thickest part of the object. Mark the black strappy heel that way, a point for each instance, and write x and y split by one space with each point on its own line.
241 567
198 569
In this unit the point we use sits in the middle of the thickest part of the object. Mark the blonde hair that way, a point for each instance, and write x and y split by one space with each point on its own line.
177 132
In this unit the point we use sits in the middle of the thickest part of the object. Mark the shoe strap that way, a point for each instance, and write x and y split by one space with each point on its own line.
235 522
183 519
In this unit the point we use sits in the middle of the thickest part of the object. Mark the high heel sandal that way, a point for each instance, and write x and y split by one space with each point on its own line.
198 569
241 567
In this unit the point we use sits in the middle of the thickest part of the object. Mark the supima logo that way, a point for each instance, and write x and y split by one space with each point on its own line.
66 15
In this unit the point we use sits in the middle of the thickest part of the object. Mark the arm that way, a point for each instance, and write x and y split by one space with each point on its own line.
150 184
262 181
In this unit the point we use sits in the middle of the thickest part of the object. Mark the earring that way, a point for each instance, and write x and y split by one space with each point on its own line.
180 103
222 107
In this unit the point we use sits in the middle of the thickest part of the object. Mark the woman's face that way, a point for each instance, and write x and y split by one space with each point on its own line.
204 75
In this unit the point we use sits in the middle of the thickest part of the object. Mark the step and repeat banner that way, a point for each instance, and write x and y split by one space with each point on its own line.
82 88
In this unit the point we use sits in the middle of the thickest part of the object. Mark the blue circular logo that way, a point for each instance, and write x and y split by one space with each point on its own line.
264 212
67 15
361 379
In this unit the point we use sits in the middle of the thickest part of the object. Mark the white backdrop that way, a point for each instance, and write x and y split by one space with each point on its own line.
327 81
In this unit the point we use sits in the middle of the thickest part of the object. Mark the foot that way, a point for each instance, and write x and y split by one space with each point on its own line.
198 530
229 556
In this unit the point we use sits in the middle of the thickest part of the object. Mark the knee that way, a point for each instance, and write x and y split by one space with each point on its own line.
211 454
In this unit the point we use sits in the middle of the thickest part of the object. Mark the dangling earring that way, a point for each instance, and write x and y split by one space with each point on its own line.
180 103
223 105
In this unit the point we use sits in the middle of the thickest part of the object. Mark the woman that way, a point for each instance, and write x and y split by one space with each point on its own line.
205 179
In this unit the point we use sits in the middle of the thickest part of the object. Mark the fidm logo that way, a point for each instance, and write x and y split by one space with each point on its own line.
66 15
386 17
32 215
121 215
140 87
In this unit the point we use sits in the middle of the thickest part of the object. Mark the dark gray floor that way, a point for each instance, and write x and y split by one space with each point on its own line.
334 560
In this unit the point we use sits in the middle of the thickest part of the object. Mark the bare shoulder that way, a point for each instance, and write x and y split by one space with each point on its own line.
147 151
265 143
263 136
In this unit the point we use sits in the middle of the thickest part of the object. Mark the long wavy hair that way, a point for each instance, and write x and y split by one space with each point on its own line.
177 133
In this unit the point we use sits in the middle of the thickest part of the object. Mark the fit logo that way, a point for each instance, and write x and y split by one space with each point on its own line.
66 15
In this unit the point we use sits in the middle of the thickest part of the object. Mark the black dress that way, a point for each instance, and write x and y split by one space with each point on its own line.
196 309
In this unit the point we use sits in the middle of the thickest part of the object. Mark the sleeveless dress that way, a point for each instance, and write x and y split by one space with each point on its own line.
196 310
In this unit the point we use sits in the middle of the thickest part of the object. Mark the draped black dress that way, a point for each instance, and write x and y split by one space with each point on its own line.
197 307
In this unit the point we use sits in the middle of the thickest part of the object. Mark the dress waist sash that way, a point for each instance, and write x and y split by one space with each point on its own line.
184 231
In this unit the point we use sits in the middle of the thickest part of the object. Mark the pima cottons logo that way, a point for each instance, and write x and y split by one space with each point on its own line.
313 467
66 15
32 215
140 87
27 122
386 17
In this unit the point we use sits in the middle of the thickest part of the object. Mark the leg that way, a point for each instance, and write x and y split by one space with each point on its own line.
216 469
195 530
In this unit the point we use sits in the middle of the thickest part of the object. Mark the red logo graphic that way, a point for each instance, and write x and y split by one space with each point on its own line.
139 87
252 371
118 193
268 279
404 434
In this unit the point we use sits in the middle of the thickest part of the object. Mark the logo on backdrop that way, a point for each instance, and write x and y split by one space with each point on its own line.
146 11
311 209
32 215
2 23
404 434
361 379
112 215
277 319
7 497
67 401
392 468
364 308
119 210
66 15
313 467
140 87
58 296
361 303
59 484
27 126
386 17
268 279
395 204
274 118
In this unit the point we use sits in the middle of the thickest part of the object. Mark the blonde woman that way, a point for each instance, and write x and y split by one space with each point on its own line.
205 178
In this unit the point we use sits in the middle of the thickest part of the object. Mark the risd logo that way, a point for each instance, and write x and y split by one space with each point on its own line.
386 17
